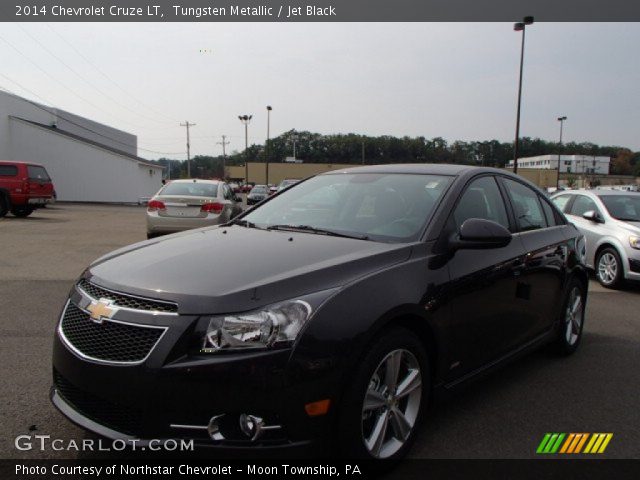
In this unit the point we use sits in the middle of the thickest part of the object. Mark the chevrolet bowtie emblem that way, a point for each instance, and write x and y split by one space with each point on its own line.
101 309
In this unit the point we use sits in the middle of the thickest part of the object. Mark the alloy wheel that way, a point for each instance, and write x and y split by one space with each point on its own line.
391 404
607 268
574 316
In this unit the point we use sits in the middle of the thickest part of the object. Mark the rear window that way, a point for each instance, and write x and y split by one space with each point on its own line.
193 189
37 173
8 170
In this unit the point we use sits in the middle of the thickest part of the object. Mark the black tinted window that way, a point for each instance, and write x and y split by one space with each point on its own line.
623 207
191 189
561 201
526 206
481 199
8 170
581 205
548 212
37 173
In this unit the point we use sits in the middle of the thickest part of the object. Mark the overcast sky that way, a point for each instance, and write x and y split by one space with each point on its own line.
457 81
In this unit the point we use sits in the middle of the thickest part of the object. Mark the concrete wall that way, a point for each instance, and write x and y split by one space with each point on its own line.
541 177
80 171
280 171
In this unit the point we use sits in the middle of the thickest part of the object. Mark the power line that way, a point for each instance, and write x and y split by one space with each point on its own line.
123 90
57 114
72 91
81 77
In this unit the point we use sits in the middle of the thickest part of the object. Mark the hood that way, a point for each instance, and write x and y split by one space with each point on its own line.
228 269
631 227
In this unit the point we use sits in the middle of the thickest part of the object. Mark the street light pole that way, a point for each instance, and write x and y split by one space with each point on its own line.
266 146
561 120
245 119
519 27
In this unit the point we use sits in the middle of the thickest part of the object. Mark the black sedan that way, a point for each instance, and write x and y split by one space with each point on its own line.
257 194
329 315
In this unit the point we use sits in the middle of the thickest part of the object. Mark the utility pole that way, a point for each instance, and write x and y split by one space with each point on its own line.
245 119
363 152
224 144
187 124
561 120
519 27
266 146
294 138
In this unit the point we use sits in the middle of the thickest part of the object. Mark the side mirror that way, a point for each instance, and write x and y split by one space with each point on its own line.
478 233
593 216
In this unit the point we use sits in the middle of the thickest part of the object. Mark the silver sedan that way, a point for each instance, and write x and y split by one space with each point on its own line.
185 204
610 222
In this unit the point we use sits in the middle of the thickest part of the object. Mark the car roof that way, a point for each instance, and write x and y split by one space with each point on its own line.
604 192
418 168
196 180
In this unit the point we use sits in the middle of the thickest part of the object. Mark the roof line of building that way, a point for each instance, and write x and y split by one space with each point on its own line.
78 138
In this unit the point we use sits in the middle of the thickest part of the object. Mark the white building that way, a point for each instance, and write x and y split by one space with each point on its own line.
87 161
578 164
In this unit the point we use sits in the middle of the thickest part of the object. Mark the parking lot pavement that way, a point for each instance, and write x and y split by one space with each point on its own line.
502 416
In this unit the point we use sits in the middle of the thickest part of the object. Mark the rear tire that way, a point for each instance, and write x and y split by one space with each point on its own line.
381 411
4 205
571 318
22 212
609 268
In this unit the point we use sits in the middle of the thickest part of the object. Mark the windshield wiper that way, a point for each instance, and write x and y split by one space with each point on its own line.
243 223
319 231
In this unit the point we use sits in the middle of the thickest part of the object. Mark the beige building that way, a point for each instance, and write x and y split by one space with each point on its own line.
280 171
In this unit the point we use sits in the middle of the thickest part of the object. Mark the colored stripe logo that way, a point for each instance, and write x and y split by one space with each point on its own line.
574 443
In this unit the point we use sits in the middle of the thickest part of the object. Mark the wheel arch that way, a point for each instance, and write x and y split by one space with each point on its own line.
608 243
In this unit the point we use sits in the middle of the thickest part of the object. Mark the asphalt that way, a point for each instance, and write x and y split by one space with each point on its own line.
503 416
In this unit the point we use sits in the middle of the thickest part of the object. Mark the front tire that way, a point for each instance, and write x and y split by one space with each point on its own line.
609 268
385 402
572 318
4 205
22 212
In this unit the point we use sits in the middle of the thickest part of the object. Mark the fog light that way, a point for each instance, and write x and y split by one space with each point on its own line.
251 426
315 409
213 429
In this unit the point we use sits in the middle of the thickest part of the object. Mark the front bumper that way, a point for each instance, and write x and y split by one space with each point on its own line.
174 394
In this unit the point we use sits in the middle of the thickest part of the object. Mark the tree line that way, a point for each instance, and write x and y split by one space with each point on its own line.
358 149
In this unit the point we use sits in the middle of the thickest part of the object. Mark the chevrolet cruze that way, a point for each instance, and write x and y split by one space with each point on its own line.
329 316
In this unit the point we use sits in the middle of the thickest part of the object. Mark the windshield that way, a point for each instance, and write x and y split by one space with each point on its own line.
623 207
384 207
191 189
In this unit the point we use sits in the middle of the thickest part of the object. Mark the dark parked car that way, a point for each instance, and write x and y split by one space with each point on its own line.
257 194
331 314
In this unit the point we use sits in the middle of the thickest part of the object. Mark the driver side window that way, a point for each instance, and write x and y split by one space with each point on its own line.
481 199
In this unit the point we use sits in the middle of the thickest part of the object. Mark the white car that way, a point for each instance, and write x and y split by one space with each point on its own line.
610 222
185 204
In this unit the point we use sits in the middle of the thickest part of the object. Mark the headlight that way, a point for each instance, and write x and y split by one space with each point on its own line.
262 328
634 241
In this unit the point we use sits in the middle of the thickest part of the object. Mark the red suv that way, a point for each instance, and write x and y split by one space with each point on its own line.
23 188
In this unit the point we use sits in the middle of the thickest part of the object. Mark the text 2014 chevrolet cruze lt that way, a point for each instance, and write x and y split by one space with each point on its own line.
332 313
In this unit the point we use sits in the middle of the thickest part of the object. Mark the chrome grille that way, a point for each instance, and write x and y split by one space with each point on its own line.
109 341
127 301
